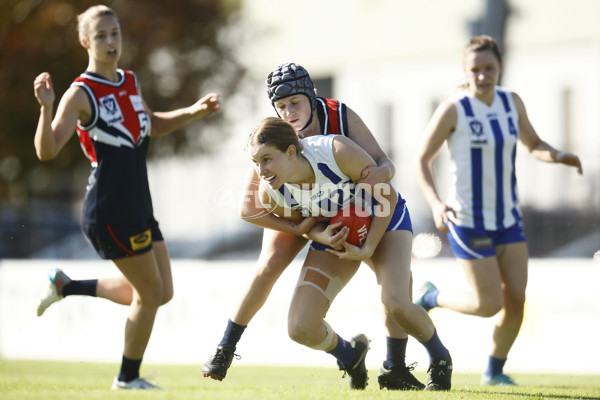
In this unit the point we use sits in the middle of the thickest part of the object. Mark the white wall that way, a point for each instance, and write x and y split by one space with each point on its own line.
561 324
406 54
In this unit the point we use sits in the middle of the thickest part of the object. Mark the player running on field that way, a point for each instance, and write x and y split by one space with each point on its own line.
114 124
481 215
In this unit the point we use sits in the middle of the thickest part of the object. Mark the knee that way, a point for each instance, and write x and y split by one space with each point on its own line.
489 305
299 332
302 326
151 297
399 309
271 267
515 303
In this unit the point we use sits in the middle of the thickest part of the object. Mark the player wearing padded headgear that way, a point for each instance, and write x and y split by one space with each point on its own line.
290 79
282 239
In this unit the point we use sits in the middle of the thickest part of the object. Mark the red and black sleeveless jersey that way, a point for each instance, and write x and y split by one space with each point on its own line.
116 142
333 116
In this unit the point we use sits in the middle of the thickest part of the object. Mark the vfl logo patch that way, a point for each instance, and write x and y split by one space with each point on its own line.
141 240
476 128
111 110
481 243
477 136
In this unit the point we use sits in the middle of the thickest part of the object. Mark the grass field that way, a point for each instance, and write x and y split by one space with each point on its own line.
51 380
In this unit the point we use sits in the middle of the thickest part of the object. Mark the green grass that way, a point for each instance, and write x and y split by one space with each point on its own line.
52 380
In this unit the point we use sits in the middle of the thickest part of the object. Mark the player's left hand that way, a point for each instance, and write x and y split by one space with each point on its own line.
373 175
571 160
207 105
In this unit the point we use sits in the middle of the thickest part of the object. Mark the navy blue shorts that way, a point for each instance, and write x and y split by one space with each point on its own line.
400 222
469 244
113 241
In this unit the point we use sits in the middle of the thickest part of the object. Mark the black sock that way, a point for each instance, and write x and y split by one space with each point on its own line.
435 347
232 334
130 369
396 352
84 288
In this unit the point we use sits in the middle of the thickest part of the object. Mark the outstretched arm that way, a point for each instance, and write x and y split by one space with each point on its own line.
536 146
164 122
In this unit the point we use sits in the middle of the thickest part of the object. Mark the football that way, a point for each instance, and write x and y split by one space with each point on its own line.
357 219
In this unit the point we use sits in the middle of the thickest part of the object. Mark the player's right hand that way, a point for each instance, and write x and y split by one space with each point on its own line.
441 216
43 89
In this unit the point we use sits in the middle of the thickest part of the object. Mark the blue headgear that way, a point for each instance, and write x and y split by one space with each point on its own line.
289 79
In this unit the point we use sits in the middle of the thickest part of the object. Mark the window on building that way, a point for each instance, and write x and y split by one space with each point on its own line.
324 87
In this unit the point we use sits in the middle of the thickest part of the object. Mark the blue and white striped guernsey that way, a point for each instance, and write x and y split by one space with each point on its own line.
332 190
482 150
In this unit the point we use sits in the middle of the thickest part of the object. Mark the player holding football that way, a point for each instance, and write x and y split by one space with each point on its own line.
292 94
105 106
313 176
481 215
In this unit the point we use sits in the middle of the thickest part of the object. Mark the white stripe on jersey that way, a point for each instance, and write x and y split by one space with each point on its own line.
482 151
104 81
101 136
93 102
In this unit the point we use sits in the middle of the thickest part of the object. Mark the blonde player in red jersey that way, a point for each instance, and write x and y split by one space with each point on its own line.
105 106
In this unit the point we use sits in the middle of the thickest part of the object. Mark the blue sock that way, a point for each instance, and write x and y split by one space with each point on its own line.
430 299
233 334
435 347
130 369
83 287
396 352
495 366
344 352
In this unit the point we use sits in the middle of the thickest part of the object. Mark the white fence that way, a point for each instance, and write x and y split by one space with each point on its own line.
559 333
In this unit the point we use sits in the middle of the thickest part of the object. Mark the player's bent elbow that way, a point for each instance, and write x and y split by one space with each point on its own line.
248 217
167 296
44 156
245 212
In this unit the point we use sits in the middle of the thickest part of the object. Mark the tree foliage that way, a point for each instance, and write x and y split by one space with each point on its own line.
180 49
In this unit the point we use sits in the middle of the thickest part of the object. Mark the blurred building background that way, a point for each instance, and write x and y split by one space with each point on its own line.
392 61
